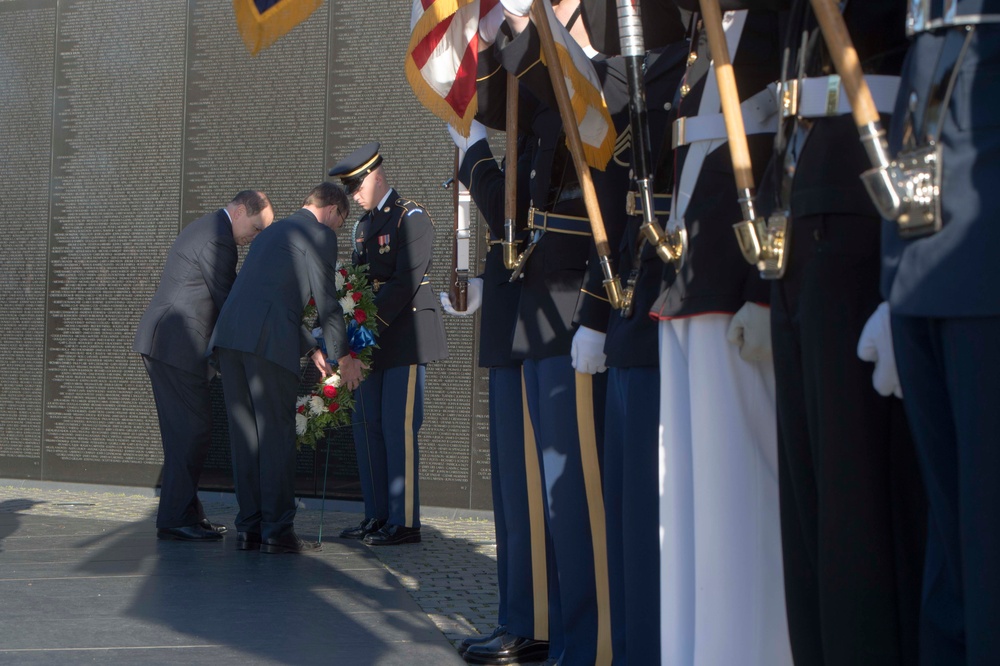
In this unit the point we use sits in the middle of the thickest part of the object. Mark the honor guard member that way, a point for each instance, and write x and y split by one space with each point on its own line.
626 342
938 273
394 238
519 516
566 408
852 507
722 596
172 336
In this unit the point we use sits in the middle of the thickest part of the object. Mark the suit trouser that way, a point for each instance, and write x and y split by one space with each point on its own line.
852 503
184 409
566 410
388 412
260 402
631 493
950 373
722 593
518 508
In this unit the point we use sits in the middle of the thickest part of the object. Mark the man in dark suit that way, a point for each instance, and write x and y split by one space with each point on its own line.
172 337
394 238
260 340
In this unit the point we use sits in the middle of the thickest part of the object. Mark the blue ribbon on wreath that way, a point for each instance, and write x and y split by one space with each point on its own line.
359 337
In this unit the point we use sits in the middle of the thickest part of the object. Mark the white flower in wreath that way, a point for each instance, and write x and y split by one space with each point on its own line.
340 280
316 405
301 401
301 422
333 380
347 303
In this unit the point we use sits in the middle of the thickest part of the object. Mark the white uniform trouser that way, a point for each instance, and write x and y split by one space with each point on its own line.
722 590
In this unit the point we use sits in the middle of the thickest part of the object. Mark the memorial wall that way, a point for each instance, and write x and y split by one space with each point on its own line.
123 121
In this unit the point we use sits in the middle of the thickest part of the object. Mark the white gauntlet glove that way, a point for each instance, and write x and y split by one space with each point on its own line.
474 298
517 7
477 132
750 330
489 25
587 351
875 345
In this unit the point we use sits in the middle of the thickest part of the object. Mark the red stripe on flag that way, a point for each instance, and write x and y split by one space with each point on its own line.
464 88
425 47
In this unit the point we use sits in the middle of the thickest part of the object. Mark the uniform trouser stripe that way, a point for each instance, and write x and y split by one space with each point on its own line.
536 519
595 503
409 481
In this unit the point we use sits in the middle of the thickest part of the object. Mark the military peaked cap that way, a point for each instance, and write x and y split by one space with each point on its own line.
353 169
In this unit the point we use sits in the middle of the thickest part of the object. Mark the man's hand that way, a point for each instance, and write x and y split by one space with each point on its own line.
474 298
587 351
750 330
319 360
477 132
350 371
875 345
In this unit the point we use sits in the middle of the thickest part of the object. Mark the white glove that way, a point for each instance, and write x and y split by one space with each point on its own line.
473 299
587 351
489 25
750 330
477 132
875 345
517 7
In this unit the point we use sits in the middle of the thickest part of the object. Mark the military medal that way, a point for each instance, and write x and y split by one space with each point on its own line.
383 243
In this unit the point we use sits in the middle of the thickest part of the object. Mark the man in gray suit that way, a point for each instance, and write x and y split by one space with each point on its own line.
260 340
172 338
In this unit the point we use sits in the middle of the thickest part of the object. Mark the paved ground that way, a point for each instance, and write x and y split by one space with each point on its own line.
84 580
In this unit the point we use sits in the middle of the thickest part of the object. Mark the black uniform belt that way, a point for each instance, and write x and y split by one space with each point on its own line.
661 204
556 223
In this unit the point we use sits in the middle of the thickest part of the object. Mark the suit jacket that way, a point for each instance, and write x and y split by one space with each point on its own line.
288 262
197 276
396 242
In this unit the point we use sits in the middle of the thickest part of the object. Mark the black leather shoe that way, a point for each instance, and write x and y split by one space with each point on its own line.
247 541
187 533
367 526
507 649
209 525
392 535
288 543
476 640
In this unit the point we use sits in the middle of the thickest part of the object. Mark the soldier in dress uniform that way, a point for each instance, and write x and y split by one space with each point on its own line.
722 596
626 342
522 616
852 503
946 317
394 238
566 425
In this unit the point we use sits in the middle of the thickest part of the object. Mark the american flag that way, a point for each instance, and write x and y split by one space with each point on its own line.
263 22
443 54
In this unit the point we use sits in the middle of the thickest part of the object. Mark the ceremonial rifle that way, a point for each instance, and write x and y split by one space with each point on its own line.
762 244
510 256
459 288
612 285
670 245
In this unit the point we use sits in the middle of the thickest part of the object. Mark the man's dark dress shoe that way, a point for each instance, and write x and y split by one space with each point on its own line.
367 526
209 525
391 535
248 541
476 640
288 543
187 533
507 649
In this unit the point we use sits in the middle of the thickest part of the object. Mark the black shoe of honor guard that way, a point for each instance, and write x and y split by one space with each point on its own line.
476 640
367 526
393 535
507 649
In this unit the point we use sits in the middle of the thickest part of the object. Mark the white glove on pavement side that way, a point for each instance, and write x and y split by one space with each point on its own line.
587 351
473 298
517 7
477 132
875 345
750 330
